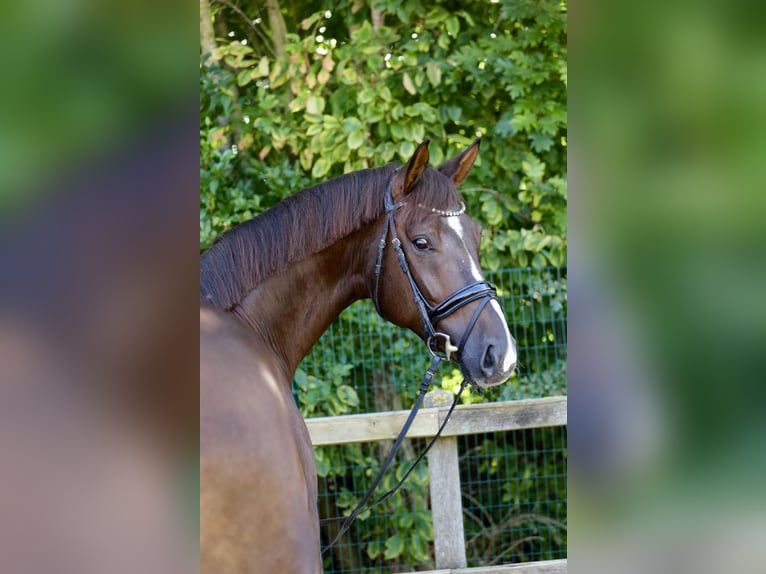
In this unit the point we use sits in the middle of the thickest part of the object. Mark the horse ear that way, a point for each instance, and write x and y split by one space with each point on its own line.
458 167
407 176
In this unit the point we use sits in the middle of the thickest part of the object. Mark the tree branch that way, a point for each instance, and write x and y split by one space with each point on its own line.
248 21
206 33
278 27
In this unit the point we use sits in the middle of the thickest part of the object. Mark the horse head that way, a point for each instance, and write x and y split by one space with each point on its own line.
428 278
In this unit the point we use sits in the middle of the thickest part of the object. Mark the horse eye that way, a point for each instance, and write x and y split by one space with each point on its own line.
421 243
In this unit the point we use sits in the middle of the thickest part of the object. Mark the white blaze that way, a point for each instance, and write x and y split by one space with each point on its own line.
510 357
456 225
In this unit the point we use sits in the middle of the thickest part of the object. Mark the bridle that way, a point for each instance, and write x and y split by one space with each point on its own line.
482 291
430 314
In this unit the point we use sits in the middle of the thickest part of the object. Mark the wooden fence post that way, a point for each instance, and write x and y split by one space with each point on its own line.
446 502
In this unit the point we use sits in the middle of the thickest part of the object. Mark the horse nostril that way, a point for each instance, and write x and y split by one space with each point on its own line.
489 361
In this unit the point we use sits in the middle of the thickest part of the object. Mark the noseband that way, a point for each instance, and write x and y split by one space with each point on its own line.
431 315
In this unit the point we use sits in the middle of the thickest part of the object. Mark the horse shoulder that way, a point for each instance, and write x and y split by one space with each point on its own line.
257 472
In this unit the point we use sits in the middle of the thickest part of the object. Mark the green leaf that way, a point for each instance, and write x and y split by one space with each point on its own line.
321 167
315 105
306 157
374 548
375 60
434 73
420 79
348 395
263 67
355 139
541 142
245 77
453 26
406 149
363 34
306 23
407 83
493 212
394 547
534 241
275 76
423 111
366 96
533 168
314 129
349 76
301 379
323 466
443 41
523 121
297 104
418 132
408 131
352 124
454 113
419 549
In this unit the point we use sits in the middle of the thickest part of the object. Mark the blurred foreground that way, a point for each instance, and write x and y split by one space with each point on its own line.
98 258
667 283
98 351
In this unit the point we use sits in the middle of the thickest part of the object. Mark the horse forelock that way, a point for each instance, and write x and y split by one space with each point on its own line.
298 226
433 190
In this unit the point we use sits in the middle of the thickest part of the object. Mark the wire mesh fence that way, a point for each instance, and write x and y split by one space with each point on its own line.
513 483
513 487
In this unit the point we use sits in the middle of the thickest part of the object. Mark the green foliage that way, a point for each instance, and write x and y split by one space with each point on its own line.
327 397
348 95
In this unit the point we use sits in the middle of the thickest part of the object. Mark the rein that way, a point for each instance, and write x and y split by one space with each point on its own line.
431 315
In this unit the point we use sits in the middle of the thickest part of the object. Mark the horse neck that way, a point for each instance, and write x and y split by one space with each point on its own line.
293 308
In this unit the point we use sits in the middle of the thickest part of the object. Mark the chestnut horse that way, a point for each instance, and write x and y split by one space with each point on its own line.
271 286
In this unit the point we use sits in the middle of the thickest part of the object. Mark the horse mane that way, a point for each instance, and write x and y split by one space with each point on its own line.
247 254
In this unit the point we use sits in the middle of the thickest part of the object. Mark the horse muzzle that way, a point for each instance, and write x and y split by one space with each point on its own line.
489 357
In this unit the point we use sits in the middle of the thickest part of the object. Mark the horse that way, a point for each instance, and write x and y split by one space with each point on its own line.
271 286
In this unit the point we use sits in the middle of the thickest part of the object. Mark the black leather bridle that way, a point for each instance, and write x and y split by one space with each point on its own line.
482 291
431 315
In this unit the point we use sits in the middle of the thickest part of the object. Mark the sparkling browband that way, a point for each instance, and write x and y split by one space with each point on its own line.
444 212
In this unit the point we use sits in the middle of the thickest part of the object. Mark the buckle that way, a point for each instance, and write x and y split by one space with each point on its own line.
449 348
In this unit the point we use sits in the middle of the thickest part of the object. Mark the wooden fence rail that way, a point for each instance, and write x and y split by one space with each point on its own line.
443 468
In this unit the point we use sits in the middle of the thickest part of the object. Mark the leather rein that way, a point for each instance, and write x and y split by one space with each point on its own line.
431 315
